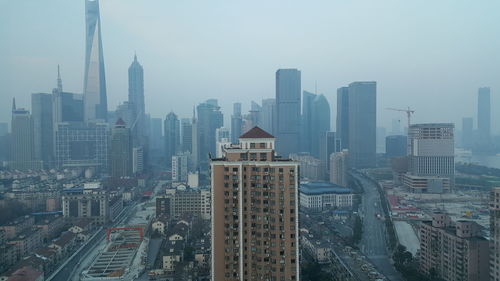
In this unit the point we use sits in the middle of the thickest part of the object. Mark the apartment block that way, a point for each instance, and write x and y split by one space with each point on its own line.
179 201
254 212
453 250
91 202
495 234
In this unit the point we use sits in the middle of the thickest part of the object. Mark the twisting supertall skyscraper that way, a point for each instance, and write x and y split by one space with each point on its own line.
94 83
136 100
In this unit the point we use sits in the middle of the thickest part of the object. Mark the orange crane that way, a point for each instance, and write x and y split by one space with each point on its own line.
408 111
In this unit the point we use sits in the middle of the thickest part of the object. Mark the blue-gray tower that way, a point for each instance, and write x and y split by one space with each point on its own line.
94 83
288 89
136 100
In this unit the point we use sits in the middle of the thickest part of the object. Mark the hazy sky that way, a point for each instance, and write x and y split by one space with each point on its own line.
427 54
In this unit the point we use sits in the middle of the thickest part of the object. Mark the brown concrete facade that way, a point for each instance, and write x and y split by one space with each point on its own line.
254 213
495 234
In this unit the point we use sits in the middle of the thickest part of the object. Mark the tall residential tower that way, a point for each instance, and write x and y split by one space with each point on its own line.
255 220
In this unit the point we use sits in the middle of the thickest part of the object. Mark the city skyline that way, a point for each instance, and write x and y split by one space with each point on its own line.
368 155
256 82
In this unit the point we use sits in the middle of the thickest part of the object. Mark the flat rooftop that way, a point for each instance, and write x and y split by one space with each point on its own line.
318 188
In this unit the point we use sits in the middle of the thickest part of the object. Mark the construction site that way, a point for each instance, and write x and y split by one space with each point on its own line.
122 258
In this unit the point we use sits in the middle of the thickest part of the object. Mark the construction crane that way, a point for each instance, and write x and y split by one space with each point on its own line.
408 111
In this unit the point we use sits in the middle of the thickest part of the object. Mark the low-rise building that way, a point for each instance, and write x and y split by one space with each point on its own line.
8 256
81 225
49 257
426 184
13 228
160 224
317 196
51 226
454 251
319 250
202 252
37 200
65 244
310 168
27 242
26 274
174 253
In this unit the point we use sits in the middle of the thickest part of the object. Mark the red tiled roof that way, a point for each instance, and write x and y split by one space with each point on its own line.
256 133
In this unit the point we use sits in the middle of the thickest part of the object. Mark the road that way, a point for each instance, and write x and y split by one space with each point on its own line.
374 239
76 263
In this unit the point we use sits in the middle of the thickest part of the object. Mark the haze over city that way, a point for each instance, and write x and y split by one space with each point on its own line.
423 54
249 141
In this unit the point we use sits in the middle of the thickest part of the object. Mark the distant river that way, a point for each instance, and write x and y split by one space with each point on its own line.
466 156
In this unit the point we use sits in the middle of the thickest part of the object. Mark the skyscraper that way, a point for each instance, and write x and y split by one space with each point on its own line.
22 153
209 119
195 151
121 150
156 135
306 122
328 144
288 87
254 237
320 123
136 101
186 135
43 132
82 145
483 118
467 132
343 116
362 124
381 134
268 115
431 158
236 123
4 129
66 107
315 122
125 111
4 142
94 87
172 136
253 118
396 146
